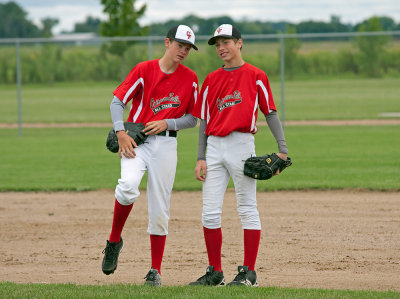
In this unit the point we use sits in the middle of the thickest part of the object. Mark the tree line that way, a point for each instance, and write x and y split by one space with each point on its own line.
14 22
207 26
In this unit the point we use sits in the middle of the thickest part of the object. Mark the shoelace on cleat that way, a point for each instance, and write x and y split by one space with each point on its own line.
109 252
151 275
206 277
240 277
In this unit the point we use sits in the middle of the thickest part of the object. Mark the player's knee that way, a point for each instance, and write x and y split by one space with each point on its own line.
211 221
158 225
250 220
126 192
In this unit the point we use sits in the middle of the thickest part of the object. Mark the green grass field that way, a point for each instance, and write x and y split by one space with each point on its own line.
323 158
12 290
304 100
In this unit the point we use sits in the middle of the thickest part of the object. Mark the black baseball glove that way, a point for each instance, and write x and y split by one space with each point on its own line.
265 167
134 130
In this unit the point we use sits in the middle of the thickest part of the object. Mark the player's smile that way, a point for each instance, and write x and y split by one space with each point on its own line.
223 54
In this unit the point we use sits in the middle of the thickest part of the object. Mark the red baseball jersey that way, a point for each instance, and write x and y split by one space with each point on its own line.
229 100
156 95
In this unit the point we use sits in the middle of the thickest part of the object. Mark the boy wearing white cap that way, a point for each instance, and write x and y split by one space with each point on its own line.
162 93
228 106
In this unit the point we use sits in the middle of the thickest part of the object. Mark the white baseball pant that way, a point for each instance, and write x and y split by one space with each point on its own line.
158 155
225 158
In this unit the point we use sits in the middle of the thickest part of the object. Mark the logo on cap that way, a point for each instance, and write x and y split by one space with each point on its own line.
219 30
188 34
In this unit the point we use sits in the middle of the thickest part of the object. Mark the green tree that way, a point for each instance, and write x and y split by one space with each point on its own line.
48 24
321 27
386 23
13 22
371 48
122 21
91 24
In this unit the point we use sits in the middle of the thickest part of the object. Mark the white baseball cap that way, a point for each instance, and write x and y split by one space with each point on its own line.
183 34
225 30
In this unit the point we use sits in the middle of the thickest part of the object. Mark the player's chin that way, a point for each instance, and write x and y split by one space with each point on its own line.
180 58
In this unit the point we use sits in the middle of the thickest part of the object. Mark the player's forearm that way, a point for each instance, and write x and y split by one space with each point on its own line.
184 122
117 114
201 153
275 126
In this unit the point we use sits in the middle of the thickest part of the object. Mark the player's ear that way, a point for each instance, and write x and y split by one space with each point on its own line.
167 42
240 43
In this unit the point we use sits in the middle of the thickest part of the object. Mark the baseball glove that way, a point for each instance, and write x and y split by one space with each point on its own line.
134 130
265 167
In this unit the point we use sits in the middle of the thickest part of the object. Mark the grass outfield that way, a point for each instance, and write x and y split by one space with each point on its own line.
12 290
76 159
304 100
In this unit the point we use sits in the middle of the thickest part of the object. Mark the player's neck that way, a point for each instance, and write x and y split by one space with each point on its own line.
167 66
234 62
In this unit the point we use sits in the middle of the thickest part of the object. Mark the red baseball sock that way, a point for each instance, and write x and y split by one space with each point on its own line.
213 238
157 251
121 213
251 244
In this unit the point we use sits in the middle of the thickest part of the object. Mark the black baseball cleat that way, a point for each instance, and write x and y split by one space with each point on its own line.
153 278
111 253
211 278
245 277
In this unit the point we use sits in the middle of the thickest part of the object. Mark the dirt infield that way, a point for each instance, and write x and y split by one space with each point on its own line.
314 239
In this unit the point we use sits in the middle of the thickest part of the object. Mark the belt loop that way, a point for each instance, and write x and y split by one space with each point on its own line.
167 133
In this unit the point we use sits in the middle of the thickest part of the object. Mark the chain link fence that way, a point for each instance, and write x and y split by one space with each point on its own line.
284 57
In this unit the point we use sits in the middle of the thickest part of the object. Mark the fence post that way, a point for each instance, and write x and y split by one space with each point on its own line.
150 48
19 88
282 51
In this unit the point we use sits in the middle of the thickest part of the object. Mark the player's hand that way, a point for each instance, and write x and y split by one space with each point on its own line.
155 127
283 157
126 145
200 170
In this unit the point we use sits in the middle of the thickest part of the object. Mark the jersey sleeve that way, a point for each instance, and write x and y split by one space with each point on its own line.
194 95
265 98
200 108
132 86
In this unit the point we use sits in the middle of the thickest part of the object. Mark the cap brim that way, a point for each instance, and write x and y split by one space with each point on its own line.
185 42
211 41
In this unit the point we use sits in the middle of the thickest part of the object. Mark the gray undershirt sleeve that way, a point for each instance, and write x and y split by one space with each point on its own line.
201 152
275 126
117 114
184 122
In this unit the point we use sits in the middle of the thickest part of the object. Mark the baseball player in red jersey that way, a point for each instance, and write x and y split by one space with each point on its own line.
228 106
163 93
